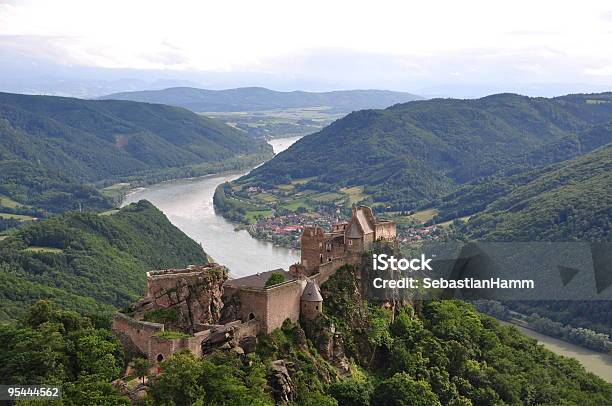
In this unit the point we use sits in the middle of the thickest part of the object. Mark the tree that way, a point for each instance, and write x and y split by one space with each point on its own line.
352 392
402 390
275 279
92 390
178 382
96 355
141 368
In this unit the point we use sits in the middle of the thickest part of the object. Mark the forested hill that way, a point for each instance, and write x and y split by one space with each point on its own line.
89 262
564 202
412 153
259 98
70 141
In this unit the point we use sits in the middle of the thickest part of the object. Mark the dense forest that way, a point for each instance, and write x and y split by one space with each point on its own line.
51 146
570 201
90 262
425 354
259 98
410 154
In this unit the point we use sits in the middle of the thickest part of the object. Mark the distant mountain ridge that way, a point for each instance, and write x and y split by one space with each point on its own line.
79 141
412 153
259 98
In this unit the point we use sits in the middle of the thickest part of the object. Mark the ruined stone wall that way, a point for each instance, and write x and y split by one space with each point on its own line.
368 239
339 227
247 329
386 230
334 247
312 247
328 269
134 332
247 303
270 307
162 348
354 245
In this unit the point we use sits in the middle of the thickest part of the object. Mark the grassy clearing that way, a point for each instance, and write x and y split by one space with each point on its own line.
109 212
21 217
302 181
355 193
8 202
295 204
251 215
327 197
423 215
117 186
44 249
286 187
448 223
265 197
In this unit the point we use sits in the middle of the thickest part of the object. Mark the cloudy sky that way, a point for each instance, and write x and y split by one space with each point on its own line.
421 46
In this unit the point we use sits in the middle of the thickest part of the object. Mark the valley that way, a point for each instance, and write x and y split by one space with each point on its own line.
278 123
94 262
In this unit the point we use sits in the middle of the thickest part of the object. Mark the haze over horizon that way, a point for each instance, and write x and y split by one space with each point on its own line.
440 48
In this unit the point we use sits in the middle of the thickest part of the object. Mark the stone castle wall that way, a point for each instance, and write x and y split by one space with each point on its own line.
312 246
135 333
270 306
328 269
161 348
386 230
283 303
252 303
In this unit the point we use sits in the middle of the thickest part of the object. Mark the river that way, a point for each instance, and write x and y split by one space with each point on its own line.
596 362
189 206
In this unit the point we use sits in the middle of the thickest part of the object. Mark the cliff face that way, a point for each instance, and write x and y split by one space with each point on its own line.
184 299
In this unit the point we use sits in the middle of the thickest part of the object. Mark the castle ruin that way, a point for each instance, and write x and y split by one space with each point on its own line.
200 309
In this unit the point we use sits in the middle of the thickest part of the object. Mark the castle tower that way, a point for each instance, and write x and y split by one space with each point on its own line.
312 243
311 303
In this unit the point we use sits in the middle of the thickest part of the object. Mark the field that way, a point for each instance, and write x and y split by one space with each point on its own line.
448 223
8 202
253 215
21 217
355 193
44 249
424 215
278 123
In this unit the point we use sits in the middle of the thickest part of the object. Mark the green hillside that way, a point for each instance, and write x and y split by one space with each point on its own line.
410 154
68 142
564 202
90 262
259 98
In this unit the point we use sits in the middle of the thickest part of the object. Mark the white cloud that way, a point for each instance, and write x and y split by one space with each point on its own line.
599 71
388 38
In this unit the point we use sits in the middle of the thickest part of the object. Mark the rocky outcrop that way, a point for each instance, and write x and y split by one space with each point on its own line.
184 298
235 336
327 341
281 384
